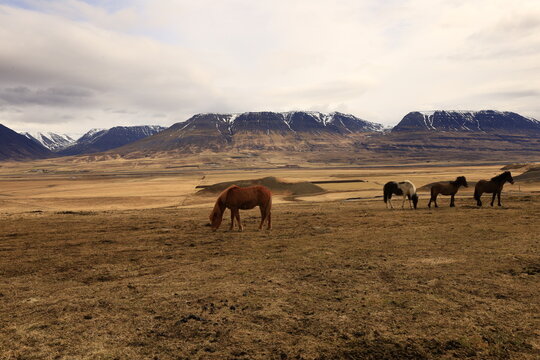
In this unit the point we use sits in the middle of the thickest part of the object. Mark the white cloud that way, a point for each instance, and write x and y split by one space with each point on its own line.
375 59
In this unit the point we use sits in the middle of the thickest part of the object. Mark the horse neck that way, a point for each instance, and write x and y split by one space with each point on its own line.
221 202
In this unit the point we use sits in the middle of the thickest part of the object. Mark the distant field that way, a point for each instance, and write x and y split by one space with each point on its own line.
125 267
62 185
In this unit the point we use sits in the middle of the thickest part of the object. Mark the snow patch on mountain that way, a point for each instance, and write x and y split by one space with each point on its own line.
50 140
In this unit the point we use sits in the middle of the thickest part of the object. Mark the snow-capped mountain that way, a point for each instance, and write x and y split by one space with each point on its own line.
469 121
98 140
293 121
295 131
51 141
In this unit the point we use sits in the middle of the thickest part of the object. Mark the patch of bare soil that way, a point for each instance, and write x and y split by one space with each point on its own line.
277 186
335 280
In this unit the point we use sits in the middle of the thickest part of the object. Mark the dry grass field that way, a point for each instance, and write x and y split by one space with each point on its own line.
120 264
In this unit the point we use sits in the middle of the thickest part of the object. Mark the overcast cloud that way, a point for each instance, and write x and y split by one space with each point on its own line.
68 66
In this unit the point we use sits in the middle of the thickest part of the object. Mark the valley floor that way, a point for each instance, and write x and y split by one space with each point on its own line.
332 280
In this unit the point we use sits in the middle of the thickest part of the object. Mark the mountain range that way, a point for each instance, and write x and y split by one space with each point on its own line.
426 133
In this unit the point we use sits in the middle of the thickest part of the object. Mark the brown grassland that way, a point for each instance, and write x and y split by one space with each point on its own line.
120 264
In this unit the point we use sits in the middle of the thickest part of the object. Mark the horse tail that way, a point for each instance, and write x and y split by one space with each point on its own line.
269 205
476 195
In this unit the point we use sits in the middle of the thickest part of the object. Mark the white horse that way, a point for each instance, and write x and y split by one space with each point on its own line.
405 188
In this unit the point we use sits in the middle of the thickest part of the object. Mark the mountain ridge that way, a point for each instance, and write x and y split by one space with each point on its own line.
466 121
291 131
99 140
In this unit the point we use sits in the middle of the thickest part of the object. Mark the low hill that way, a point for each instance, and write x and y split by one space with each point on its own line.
277 186
531 175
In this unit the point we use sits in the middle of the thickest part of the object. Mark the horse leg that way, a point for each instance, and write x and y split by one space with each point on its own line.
435 201
499 198
452 204
232 220
493 198
263 216
269 217
403 202
478 200
240 227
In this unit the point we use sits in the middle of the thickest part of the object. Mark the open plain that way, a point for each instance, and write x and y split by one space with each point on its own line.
114 260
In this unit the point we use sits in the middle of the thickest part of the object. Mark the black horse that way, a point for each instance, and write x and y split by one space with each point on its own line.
446 188
493 186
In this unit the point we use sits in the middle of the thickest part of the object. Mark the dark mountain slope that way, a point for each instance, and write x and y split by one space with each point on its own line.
14 146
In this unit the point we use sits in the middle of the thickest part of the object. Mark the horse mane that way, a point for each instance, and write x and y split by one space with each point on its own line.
222 199
500 177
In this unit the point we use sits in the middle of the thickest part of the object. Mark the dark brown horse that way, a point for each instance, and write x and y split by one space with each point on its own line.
447 188
236 199
493 186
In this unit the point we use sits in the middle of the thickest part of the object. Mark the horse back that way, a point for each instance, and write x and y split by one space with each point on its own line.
407 187
248 197
392 187
488 186
445 188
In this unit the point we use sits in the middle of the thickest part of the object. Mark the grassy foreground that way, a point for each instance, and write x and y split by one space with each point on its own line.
332 280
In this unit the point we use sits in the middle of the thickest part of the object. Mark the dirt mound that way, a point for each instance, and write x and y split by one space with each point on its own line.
277 186
531 175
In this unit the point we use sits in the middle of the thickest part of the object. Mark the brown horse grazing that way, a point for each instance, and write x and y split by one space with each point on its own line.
236 198
493 186
446 188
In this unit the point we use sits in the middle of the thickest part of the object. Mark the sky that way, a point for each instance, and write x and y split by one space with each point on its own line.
69 66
